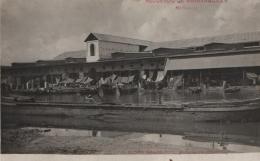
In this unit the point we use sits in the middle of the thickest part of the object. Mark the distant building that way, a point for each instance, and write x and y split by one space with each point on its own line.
228 57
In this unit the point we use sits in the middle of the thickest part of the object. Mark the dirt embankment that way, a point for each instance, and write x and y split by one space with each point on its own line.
42 140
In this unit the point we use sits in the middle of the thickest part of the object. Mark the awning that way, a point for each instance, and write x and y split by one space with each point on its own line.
57 80
101 81
150 76
160 76
245 60
118 80
69 80
125 79
107 80
176 81
113 77
143 75
79 80
88 80
251 75
151 73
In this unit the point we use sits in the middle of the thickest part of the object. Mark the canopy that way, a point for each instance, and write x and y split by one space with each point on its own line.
88 80
57 80
142 75
160 76
125 79
251 75
151 73
107 80
113 77
176 81
117 80
83 79
101 81
68 80
79 80
227 61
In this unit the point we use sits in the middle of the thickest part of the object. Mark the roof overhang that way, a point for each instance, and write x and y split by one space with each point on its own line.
212 62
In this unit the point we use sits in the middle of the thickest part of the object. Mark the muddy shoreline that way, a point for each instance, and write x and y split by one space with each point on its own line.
35 141
18 138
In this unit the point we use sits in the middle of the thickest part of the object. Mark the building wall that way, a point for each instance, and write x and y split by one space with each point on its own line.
103 49
50 72
130 65
97 52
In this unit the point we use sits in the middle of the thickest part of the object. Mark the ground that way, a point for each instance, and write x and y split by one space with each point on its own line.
44 140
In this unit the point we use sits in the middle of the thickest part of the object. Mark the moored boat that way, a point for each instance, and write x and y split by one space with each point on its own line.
128 89
243 111
108 89
17 98
64 90
195 90
232 90
74 90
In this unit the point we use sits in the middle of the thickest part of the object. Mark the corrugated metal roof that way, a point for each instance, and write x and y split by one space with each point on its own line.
225 61
119 39
71 54
177 44
227 39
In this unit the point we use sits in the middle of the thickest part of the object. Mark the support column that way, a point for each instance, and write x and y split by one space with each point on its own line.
243 77
18 82
183 80
32 87
27 85
45 84
200 77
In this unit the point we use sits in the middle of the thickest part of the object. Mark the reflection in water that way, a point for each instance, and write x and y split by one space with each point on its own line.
215 142
166 96
234 137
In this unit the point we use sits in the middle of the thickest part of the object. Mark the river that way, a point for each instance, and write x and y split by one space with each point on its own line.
93 135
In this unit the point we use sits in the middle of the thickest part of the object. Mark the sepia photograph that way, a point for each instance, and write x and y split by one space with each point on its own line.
133 78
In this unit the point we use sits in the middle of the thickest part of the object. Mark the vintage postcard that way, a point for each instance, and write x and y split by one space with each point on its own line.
130 79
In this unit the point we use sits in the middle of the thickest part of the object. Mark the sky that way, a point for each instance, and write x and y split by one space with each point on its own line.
42 29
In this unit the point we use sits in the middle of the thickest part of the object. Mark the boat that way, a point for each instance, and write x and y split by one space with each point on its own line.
30 92
128 89
195 90
74 90
231 89
17 98
64 90
247 110
123 89
108 89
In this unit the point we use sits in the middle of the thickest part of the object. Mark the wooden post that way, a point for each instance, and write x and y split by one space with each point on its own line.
27 85
183 80
32 87
200 78
243 77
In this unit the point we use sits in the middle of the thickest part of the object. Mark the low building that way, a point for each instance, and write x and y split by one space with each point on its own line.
234 58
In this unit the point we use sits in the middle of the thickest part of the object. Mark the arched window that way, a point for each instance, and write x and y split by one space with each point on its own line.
92 50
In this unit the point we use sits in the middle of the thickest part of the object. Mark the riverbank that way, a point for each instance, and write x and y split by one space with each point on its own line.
68 141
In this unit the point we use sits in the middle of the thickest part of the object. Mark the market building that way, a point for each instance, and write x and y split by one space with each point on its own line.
207 61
